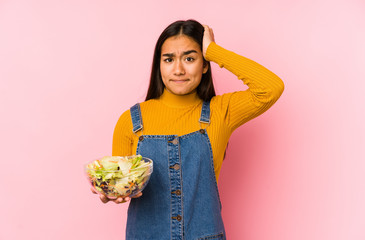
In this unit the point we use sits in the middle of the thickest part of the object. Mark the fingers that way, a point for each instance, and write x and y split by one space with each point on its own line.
121 200
126 199
209 31
137 195
103 198
208 37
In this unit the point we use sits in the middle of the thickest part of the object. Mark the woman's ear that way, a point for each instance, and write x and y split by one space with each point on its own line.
205 67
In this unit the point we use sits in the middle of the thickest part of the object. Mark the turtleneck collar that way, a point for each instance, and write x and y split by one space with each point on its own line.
179 101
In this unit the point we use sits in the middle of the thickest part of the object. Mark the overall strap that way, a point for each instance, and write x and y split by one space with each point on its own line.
205 114
136 117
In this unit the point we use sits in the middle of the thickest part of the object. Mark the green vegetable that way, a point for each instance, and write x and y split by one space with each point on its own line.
119 176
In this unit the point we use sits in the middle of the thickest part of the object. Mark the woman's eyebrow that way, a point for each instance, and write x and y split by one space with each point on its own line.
190 51
184 53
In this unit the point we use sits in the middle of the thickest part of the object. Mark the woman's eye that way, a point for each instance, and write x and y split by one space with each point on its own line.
167 60
189 59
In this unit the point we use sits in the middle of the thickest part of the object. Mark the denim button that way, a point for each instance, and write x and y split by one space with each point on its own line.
177 192
202 131
178 217
175 141
176 166
141 138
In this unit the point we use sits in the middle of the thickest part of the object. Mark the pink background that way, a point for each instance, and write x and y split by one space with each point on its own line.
68 69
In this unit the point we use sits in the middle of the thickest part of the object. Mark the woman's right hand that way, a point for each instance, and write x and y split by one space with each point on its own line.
208 37
105 199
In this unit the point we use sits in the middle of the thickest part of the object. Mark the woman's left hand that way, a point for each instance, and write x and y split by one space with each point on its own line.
207 38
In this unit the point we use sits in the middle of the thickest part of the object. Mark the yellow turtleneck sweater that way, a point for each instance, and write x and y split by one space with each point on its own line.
178 115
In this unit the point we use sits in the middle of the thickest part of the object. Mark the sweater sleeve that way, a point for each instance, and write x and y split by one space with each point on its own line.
264 87
123 136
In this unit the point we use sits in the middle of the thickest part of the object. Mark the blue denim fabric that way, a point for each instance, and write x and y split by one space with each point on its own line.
181 201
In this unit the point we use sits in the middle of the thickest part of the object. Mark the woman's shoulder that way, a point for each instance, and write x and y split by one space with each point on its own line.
141 104
149 102
124 119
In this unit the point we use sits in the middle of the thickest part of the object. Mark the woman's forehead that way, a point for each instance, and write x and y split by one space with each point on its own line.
179 44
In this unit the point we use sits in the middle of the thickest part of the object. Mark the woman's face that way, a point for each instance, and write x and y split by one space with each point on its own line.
181 65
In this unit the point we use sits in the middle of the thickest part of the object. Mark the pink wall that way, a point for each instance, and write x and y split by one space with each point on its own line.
68 69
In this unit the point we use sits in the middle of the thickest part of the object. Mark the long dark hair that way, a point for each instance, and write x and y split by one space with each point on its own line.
190 28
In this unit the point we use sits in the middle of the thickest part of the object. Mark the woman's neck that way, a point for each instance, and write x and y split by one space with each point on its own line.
179 101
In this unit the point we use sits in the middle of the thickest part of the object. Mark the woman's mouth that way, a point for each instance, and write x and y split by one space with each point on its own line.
179 80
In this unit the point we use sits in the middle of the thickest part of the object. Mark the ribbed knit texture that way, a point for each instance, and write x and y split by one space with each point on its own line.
179 115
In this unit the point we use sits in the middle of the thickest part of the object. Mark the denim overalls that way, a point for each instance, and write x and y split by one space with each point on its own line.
181 200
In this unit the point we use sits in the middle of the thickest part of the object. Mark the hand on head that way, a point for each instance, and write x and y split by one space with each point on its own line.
207 38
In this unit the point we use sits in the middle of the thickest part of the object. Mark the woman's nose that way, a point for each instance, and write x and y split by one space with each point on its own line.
179 68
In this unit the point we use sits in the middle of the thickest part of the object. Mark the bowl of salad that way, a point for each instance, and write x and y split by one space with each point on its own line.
116 176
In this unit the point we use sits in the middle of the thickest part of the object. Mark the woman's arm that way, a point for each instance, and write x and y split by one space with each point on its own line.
122 137
264 87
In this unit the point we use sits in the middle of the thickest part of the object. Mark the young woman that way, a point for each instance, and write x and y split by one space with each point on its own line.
184 128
